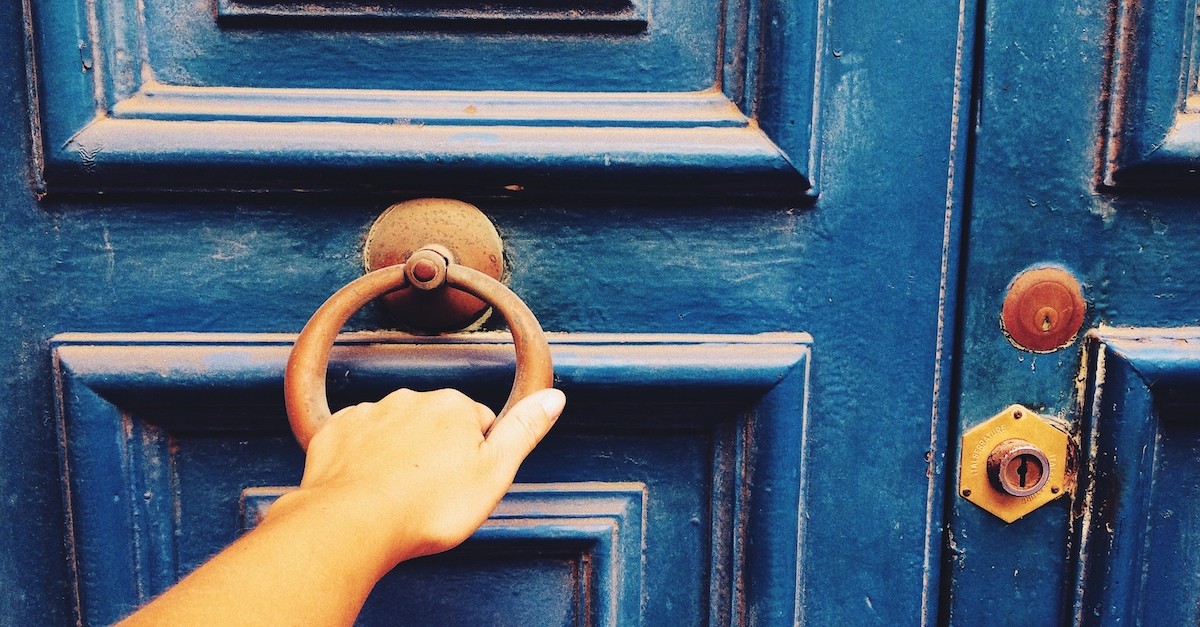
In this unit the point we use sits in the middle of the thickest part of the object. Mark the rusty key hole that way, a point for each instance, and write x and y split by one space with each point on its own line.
1043 309
1048 318
1018 468
1026 465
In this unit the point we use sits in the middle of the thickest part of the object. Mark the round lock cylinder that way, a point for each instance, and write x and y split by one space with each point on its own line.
1018 468
1043 310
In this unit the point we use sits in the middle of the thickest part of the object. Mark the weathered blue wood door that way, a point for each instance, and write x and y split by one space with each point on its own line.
741 219
1085 158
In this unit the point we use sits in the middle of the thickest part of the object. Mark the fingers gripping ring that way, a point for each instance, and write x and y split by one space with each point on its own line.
428 268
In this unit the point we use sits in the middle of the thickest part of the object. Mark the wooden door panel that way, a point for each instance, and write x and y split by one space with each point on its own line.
690 98
667 200
1140 480
667 495
1151 133
551 554
1085 160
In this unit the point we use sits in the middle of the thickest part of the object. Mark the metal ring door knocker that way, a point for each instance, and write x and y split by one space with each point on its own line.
431 268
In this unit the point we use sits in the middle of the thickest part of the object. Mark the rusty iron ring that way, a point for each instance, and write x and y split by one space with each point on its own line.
304 378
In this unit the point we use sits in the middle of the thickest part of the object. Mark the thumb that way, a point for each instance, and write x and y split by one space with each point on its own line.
515 434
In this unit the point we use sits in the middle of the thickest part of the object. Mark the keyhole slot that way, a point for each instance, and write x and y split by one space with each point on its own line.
1046 319
1024 471
1018 468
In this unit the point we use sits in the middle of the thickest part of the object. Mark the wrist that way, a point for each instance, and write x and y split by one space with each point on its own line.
344 522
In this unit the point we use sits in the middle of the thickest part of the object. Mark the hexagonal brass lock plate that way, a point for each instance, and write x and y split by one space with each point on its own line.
1013 463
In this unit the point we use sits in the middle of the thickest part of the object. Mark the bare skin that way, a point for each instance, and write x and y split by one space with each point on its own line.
383 482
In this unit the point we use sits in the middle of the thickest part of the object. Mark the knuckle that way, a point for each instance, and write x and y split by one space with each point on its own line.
530 432
402 394
447 395
443 538
397 398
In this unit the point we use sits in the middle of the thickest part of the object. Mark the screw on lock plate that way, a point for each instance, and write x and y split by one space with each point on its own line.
1013 463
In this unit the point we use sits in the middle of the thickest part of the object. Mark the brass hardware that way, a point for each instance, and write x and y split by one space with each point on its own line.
1043 310
1013 463
430 269
464 235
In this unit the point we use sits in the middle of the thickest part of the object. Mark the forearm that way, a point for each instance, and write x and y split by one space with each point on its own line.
311 561
411 475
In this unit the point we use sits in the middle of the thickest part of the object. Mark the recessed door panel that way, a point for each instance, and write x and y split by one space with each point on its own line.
667 495
550 554
1140 491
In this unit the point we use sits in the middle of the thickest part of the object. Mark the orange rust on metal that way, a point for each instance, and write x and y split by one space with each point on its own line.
304 376
469 239
1043 310
426 268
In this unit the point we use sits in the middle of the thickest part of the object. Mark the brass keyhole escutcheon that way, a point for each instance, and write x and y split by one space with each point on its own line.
1015 462
1043 310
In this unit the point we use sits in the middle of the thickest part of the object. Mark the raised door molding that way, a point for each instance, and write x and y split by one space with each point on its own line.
1150 138
671 98
596 530
1139 488
671 492
566 15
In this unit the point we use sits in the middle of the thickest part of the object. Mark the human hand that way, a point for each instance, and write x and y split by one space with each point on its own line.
414 471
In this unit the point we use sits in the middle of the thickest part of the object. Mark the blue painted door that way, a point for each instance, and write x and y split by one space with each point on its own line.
741 219
1085 158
